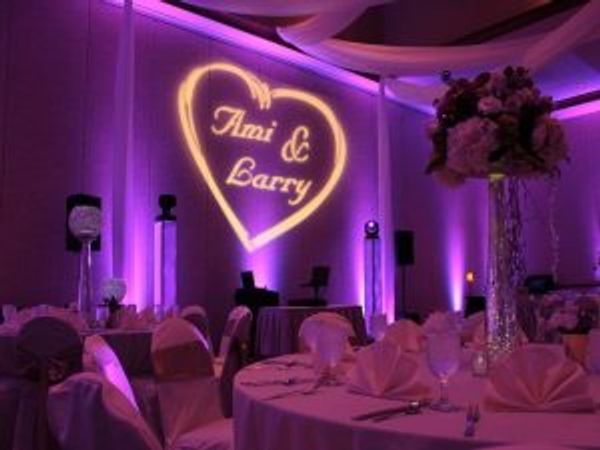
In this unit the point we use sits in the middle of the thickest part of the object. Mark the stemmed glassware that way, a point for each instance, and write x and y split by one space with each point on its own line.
330 346
443 357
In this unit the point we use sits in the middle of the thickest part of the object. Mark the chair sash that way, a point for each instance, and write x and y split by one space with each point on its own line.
99 357
48 351
86 412
238 326
188 392
196 315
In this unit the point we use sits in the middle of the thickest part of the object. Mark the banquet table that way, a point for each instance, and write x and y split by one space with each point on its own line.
277 327
323 419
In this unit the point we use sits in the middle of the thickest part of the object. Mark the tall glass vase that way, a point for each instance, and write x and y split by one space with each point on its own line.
84 285
505 266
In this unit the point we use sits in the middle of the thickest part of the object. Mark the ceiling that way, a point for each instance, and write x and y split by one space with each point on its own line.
455 22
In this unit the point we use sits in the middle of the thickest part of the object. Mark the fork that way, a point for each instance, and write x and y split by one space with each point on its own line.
470 421
473 416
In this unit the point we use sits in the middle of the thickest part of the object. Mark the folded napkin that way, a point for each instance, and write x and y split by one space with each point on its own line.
407 335
383 370
538 378
442 322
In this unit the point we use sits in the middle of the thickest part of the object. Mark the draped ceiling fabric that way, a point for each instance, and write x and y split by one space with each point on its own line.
328 17
385 207
123 157
278 8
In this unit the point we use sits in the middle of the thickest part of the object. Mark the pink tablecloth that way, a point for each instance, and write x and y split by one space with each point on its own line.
322 421
277 328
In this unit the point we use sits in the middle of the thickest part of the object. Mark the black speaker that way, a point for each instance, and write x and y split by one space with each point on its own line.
539 284
72 243
404 246
474 304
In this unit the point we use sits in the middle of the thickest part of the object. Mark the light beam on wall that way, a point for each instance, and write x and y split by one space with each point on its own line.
264 96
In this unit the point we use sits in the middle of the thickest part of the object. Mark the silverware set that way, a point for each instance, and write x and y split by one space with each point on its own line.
292 381
286 364
380 415
304 391
472 418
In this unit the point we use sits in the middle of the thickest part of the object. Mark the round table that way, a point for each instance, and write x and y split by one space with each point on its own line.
323 419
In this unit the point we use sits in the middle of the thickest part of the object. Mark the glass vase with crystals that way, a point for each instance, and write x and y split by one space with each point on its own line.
85 222
497 127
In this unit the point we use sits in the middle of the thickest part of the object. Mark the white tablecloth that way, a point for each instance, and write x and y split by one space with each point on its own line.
277 326
322 421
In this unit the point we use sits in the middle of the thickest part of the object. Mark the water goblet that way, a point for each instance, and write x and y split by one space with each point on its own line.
330 347
443 357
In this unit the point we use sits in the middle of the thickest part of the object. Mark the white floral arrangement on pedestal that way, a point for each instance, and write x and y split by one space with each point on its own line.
85 222
114 288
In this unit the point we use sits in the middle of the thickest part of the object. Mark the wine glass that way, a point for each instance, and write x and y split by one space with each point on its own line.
330 346
443 356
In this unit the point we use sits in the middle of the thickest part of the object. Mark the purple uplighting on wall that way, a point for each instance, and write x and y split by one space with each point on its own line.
455 258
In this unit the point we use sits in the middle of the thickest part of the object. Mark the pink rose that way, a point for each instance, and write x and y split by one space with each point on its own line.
469 146
489 105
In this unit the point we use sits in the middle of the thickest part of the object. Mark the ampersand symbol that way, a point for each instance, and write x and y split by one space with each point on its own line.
297 147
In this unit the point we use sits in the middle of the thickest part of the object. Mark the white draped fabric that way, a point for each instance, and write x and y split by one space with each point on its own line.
580 27
320 26
314 37
384 203
414 94
397 60
122 213
277 8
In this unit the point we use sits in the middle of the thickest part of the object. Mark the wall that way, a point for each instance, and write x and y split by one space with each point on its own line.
451 224
57 67
57 135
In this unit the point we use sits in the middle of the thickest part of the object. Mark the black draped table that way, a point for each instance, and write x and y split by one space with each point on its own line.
277 327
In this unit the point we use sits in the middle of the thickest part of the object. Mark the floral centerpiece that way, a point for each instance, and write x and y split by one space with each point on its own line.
496 123
575 317
497 126
113 293
573 320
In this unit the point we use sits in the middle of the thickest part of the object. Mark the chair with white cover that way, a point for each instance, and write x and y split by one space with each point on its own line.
87 412
238 327
98 357
188 391
196 315
49 350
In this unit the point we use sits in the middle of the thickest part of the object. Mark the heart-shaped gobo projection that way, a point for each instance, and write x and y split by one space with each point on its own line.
291 149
